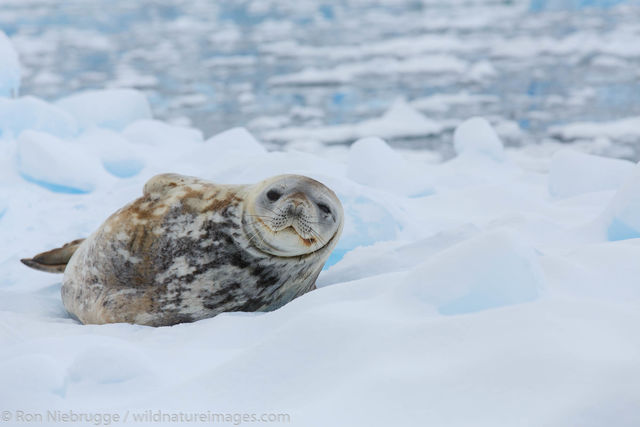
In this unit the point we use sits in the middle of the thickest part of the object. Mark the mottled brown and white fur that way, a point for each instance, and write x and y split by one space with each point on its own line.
190 249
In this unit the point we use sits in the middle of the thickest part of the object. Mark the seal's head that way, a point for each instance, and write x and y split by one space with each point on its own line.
292 215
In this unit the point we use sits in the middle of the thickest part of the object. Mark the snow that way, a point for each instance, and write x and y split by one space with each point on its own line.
495 288
372 162
156 133
488 271
476 136
57 165
622 216
573 173
9 68
473 290
30 113
112 108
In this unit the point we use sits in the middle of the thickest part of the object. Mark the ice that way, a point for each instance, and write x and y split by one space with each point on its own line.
366 222
476 136
9 68
444 102
622 216
113 108
236 139
372 162
399 121
391 256
118 156
157 133
627 129
547 5
488 271
459 282
28 112
573 173
434 64
57 165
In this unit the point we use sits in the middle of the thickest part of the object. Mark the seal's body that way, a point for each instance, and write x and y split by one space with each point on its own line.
189 249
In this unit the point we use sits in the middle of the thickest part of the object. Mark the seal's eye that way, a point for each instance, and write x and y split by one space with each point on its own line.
324 208
273 195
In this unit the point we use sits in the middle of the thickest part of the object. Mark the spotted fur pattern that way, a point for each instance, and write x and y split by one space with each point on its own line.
179 254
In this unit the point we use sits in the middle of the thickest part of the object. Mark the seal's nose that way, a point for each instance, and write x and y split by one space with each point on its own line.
296 207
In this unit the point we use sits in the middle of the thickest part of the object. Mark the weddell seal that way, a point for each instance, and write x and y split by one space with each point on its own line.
189 249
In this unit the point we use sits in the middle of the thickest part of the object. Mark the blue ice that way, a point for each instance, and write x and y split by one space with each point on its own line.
366 222
125 168
56 188
618 230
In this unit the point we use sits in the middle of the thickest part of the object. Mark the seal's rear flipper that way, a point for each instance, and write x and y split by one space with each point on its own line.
55 260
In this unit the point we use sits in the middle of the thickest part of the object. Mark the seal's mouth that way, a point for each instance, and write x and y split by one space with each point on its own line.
307 241
291 229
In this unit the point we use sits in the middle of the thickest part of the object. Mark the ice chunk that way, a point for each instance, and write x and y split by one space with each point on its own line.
476 136
27 112
236 139
366 222
57 165
119 157
372 162
574 173
155 133
622 216
232 149
492 270
9 68
114 108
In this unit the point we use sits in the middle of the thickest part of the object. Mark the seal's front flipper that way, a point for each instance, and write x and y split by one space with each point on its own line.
55 260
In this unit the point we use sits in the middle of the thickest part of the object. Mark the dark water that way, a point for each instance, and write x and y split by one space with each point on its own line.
524 65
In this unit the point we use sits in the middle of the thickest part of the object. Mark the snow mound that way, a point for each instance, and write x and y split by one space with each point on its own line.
573 173
113 109
227 151
492 270
476 136
157 133
236 139
622 216
9 68
27 112
372 162
57 165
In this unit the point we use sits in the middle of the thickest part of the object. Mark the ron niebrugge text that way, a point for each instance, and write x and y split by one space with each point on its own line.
148 416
